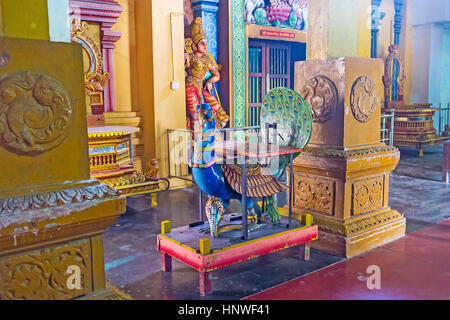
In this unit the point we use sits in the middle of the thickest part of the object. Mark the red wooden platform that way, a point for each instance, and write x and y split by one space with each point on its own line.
204 254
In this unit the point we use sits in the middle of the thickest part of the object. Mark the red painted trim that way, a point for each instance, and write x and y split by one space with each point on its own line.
237 254
259 248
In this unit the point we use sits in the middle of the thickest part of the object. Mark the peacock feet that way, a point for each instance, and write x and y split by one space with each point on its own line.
253 224
272 210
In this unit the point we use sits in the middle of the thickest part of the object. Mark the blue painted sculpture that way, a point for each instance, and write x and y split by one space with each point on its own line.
223 182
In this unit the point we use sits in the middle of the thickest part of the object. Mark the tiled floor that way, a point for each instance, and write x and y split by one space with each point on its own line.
133 263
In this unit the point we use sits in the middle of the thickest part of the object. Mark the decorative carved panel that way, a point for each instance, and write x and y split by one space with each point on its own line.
367 195
314 194
35 113
41 274
321 96
364 98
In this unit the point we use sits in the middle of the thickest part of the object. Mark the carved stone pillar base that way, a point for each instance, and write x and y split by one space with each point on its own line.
342 178
347 194
377 230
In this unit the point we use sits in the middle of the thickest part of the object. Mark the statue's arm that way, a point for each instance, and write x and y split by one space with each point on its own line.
214 69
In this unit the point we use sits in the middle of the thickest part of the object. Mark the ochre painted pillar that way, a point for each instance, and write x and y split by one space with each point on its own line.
339 28
52 215
162 107
26 19
342 177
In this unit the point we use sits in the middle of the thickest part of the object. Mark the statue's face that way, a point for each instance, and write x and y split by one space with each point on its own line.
202 46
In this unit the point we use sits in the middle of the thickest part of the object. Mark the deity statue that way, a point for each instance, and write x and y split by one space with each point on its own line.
198 61
152 172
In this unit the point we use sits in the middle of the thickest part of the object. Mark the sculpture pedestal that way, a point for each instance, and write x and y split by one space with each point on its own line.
342 177
346 192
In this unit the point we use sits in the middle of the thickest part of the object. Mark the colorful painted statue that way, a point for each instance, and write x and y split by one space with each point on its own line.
279 13
250 8
198 62
300 8
223 182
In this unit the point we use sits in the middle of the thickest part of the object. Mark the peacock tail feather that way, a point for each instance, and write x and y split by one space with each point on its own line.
290 112
294 125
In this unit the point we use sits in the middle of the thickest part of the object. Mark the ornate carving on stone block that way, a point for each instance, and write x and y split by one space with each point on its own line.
20 204
358 226
348 154
367 195
364 99
41 274
321 96
35 113
372 222
315 194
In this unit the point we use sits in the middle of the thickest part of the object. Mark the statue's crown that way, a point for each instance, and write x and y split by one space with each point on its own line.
198 33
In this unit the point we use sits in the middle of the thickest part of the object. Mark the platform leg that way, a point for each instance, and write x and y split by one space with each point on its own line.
205 283
154 203
305 250
166 262
420 153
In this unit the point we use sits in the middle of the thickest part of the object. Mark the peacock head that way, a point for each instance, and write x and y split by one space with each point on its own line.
205 126
204 112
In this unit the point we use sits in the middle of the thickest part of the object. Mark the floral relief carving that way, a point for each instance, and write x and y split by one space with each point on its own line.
21 204
367 195
41 274
314 194
35 113
364 99
321 95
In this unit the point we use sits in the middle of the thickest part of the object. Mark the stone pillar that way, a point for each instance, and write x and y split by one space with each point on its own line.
52 214
26 19
342 178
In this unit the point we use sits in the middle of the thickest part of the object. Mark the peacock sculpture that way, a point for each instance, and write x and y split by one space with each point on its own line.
222 182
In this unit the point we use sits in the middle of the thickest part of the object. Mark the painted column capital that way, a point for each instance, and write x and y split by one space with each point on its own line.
377 16
207 10
205 5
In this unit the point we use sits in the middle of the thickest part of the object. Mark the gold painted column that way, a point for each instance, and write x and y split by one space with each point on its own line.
160 60
342 178
26 19
52 215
